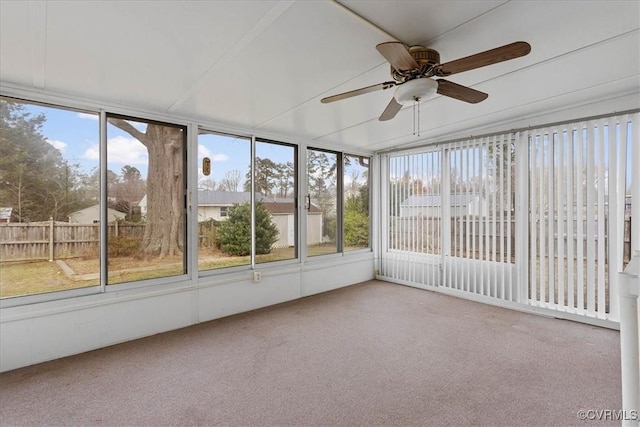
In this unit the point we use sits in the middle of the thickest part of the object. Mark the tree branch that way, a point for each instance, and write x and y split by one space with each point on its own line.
128 127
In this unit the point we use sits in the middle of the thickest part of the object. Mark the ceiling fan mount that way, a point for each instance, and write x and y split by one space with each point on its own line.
412 69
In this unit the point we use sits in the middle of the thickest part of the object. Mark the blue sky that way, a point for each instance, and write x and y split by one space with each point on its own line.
76 135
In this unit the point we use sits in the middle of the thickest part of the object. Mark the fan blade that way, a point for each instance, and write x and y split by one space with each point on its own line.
398 56
463 93
482 59
361 91
390 112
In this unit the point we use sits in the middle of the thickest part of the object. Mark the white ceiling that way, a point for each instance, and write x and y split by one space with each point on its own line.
263 66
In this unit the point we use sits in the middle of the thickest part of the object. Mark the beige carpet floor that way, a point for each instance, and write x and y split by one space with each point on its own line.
370 354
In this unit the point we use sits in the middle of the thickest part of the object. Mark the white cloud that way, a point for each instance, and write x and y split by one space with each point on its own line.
88 116
121 149
219 158
57 144
141 126
203 151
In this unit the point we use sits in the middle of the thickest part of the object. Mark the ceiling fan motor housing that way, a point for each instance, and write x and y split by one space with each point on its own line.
426 59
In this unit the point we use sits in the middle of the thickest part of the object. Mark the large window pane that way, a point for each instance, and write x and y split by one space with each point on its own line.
356 202
49 198
224 196
276 213
322 199
415 203
145 199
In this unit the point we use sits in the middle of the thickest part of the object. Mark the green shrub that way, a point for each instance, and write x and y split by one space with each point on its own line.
234 234
356 228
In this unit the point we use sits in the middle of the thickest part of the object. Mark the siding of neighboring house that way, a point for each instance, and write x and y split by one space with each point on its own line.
212 204
5 215
92 214
283 215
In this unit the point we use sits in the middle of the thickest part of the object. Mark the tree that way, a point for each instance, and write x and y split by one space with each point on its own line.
234 234
285 178
207 184
265 177
35 180
321 184
164 230
356 218
231 181
127 190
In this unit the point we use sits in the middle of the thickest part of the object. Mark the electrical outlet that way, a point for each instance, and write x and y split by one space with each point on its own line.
257 276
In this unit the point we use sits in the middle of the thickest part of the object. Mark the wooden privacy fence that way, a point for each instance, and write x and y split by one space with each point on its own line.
49 240
477 237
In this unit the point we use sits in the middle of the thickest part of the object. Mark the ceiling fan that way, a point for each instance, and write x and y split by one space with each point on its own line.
412 69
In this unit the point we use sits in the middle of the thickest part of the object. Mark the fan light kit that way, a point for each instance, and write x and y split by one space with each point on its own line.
412 69
417 90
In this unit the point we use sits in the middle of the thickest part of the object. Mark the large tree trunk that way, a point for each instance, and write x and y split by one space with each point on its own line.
164 230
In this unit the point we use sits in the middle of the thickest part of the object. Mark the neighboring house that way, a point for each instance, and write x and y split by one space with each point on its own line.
91 215
216 204
431 205
5 215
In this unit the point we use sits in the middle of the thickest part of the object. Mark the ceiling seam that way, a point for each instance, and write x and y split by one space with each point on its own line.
359 17
263 24
38 32
433 39
365 20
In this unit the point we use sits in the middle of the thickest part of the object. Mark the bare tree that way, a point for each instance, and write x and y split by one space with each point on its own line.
231 181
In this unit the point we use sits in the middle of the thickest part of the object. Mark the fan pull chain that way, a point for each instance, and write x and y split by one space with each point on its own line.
416 117
418 113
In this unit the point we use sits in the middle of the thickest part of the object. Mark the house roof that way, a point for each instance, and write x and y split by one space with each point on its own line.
228 198
221 198
96 208
210 197
435 200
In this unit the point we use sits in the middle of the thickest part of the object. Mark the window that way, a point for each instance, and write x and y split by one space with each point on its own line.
322 202
145 199
49 199
224 196
356 202
226 231
276 209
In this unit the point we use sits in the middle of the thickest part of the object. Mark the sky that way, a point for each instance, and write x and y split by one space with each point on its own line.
76 135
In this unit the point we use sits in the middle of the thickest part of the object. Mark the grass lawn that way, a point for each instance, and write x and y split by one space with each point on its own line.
35 278
40 277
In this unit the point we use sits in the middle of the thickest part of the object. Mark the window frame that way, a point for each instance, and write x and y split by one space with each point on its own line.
191 277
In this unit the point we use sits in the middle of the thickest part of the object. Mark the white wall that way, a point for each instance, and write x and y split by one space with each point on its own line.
39 332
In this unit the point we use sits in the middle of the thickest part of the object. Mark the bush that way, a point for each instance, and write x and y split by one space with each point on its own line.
123 246
356 228
234 234
209 234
